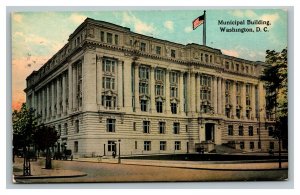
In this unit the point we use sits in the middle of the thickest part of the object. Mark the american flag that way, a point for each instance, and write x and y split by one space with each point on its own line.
198 21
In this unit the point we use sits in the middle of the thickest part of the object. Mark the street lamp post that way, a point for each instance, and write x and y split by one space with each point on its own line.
119 158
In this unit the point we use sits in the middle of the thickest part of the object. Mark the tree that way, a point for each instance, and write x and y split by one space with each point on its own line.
45 137
24 124
275 77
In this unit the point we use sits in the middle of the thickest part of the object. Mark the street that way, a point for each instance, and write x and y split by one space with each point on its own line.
107 172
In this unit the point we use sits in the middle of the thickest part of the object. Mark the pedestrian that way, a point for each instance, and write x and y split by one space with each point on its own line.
114 154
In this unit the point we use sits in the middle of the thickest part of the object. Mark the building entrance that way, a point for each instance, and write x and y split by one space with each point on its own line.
210 132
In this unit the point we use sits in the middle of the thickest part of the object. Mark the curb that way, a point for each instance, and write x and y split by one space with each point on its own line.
195 168
49 177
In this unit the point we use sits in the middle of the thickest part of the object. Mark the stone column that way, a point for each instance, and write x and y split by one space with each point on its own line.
152 89
253 111
181 91
215 94
136 88
220 96
223 99
128 85
243 100
53 100
74 88
64 96
193 93
58 97
168 104
188 93
42 99
119 84
233 99
70 95
99 80
48 100
198 109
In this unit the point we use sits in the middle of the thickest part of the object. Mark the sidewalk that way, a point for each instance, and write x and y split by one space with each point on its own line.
38 171
205 165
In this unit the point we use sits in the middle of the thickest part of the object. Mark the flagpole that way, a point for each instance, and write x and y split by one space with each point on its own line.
204 30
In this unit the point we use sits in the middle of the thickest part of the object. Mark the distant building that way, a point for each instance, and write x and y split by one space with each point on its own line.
155 96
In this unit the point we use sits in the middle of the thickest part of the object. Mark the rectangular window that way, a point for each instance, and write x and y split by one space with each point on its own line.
227 111
227 86
159 75
66 128
173 77
259 145
147 145
144 105
75 146
143 88
109 38
146 126
159 90
173 53
143 46
162 127
250 131
158 50
102 36
248 114
248 101
251 145
176 128
177 145
227 65
110 125
272 145
186 128
116 39
238 113
108 65
162 145
108 83
159 107
59 129
174 108
144 72
237 67
135 145
271 131
174 92
134 126
242 145
111 146
77 126
230 129
241 130
248 89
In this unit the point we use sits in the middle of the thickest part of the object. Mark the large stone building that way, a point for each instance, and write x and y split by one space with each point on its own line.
109 85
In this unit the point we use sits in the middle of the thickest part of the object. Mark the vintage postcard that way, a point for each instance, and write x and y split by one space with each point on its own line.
150 95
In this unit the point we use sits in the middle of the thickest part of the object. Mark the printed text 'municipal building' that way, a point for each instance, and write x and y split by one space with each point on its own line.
109 85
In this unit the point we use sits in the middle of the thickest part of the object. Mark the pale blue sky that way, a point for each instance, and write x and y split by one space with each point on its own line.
36 36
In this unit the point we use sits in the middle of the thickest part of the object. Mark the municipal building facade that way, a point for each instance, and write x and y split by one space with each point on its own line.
109 86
